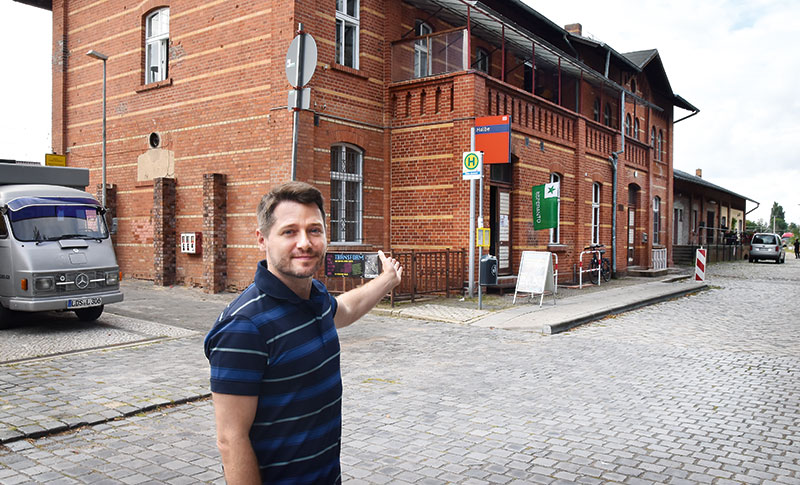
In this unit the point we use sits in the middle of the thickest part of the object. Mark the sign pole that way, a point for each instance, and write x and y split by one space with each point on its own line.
471 220
480 224
299 89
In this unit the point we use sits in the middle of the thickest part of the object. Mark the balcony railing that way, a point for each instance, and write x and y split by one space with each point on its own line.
430 55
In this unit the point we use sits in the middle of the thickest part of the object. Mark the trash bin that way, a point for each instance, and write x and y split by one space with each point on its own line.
488 267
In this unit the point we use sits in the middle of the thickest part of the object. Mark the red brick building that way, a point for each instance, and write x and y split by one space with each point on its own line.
198 127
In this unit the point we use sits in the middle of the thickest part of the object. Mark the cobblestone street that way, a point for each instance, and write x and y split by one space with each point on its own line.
699 389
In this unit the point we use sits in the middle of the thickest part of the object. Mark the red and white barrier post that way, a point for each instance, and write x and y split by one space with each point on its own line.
700 265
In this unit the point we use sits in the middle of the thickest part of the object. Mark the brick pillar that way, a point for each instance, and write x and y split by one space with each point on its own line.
164 236
215 226
111 202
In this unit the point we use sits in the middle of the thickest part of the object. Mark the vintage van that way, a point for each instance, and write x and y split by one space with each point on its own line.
55 247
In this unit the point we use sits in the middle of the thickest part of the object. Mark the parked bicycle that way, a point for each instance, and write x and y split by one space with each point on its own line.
598 260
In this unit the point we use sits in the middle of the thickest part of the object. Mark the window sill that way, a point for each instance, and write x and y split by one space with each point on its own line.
350 247
557 247
348 70
156 85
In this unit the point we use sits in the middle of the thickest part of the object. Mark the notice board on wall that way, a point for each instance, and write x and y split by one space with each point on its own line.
354 265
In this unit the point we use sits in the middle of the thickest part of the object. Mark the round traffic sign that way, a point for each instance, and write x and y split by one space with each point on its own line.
471 161
302 56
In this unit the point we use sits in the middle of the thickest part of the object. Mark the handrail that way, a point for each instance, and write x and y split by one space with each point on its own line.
599 265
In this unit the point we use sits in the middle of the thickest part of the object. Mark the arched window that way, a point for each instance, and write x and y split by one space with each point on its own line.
627 125
657 220
347 25
554 232
633 86
653 138
636 128
596 110
607 115
482 60
660 145
596 213
421 57
346 193
156 46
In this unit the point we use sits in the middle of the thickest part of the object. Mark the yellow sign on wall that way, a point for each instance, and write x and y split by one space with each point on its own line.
483 237
53 160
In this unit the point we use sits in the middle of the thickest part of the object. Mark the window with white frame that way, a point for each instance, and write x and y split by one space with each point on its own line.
347 33
657 220
636 128
660 145
156 46
596 110
554 232
421 54
627 125
346 193
482 60
596 213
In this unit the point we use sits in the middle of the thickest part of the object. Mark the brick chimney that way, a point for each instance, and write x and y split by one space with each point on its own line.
699 172
576 29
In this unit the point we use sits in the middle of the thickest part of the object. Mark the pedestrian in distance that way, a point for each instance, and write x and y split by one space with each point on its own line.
796 248
274 351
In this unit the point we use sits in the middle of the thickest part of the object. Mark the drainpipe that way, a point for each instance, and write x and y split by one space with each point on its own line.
614 163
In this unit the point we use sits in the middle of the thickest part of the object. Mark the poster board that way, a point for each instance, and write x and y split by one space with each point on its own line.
354 265
536 274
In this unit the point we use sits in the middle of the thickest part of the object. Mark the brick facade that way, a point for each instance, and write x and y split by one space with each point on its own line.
222 120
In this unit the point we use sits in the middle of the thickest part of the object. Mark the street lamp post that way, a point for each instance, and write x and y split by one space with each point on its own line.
104 58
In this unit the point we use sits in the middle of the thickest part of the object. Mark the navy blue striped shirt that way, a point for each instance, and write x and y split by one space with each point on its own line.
271 343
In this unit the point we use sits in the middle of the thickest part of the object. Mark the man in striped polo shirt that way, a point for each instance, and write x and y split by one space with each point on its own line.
274 351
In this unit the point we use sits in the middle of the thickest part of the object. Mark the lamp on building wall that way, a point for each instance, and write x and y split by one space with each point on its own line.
104 58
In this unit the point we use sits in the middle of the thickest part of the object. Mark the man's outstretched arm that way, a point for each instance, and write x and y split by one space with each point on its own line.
357 302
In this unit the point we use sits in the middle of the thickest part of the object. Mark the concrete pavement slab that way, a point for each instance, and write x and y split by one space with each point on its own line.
560 315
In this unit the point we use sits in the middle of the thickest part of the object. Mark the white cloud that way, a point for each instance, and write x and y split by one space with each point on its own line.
25 86
736 60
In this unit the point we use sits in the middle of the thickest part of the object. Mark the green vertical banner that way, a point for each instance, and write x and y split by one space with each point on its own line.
545 206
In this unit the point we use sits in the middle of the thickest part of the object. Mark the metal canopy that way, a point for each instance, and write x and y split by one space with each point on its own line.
524 44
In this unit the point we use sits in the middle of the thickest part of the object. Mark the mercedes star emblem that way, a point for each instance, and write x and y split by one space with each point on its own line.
82 281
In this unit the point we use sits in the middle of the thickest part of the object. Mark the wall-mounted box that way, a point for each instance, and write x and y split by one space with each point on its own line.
191 242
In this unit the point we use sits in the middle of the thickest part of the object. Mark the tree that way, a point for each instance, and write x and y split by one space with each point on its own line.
777 216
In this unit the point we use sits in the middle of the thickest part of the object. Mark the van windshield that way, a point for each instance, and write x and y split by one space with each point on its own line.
55 222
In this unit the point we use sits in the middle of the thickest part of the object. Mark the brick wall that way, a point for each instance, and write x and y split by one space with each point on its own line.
222 113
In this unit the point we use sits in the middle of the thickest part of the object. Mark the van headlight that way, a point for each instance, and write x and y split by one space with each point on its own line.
112 278
47 283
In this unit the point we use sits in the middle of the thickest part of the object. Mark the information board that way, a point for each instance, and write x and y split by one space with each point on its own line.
535 274
355 265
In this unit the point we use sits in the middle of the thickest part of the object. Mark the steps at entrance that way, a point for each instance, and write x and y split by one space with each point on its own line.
647 272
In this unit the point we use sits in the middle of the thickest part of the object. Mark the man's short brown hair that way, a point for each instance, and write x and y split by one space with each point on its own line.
299 192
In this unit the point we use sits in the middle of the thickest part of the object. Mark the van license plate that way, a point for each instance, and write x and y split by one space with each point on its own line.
84 302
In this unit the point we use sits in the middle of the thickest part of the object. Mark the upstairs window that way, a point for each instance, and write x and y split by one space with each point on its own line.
421 48
636 128
346 193
156 46
607 115
482 60
596 110
627 125
347 33
653 138
660 151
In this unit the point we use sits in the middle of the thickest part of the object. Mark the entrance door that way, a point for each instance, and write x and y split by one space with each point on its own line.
631 234
633 197
710 227
500 228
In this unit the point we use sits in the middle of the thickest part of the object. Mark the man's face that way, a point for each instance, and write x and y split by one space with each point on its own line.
295 245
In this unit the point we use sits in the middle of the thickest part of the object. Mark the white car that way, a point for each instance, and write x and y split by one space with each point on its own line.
766 246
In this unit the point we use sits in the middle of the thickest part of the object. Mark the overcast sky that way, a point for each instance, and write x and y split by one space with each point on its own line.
736 60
